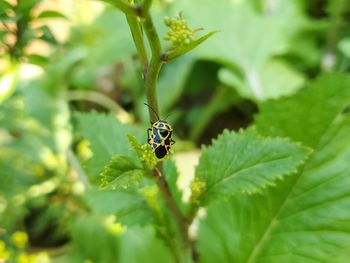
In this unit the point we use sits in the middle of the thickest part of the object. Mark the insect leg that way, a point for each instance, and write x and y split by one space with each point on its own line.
148 137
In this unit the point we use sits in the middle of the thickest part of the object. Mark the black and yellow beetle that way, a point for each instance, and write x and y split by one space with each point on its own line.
159 137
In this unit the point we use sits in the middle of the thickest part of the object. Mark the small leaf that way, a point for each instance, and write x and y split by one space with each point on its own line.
245 162
50 14
144 152
37 59
5 5
178 51
120 172
3 35
107 137
47 35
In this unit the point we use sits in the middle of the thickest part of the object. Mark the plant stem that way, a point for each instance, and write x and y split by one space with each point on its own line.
151 72
139 42
181 220
154 65
126 8
151 88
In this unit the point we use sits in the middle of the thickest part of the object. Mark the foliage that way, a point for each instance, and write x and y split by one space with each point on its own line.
305 208
264 84
244 162
17 19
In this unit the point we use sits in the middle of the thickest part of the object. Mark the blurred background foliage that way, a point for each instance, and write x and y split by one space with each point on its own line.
60 57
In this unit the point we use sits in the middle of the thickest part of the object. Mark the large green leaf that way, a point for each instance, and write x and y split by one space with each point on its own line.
245 162
108 137
94 239
104 42
145 247
172 81
306 217
100 239
128 205
247 41
306 116
277 79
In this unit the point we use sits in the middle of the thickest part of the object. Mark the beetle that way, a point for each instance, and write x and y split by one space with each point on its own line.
159 137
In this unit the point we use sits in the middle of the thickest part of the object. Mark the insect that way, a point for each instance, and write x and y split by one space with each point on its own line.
159 136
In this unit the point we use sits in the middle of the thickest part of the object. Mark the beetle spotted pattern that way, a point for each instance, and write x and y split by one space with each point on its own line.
159 137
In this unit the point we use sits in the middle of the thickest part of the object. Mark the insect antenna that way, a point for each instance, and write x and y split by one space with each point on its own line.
152 110
169 114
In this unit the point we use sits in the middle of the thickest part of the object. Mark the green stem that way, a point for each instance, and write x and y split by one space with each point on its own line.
181 221
151 88
139 42
126 8
154 65
151 72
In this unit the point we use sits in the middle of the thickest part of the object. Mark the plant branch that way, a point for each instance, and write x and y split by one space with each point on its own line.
154 65
151 72
126 8
139 41
151 88
146 4
181 221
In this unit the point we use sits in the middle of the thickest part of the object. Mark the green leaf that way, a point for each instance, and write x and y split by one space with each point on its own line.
101 239
121 172
47 35
128 205
5 5
344 46
3 35
245 162
108 138
50 14
145 154
27 6
94 239
242 43
306 116
172 81
37 59
116 46
145 247
276 78
172 175
181 50
303 219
